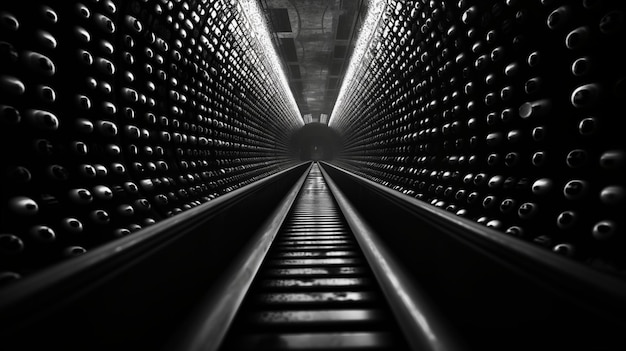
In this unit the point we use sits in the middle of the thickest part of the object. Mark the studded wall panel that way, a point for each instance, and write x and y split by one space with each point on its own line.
505 112
117 114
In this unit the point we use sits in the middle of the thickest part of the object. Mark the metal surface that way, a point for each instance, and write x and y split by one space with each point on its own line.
314 291
213 318
422 324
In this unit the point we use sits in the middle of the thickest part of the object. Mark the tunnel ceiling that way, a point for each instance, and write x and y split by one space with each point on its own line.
314 39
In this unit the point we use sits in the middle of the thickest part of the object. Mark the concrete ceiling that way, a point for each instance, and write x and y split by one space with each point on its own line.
314 39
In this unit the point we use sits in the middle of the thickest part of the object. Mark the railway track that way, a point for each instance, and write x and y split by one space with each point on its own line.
314 289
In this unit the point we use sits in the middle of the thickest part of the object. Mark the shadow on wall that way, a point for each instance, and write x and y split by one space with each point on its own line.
315 141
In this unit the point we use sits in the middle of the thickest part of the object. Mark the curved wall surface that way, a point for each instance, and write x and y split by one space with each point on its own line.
117 114
504 112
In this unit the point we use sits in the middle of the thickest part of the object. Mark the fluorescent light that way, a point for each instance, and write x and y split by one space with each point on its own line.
260 31
374 14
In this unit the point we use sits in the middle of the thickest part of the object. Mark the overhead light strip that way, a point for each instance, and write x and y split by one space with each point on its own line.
261 32
376 8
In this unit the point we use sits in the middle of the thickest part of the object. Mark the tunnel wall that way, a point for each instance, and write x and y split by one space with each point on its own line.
117 114
504 112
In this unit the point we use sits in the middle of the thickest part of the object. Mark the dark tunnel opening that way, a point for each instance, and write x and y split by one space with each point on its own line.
315 142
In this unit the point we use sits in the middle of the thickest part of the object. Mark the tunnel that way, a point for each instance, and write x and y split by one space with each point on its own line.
312 175
315 141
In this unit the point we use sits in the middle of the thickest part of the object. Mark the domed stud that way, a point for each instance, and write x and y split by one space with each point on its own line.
604 230
18 175
612 159
120 232
566 219
535 109
469 16
612 22
515 231
539 158
527 210
497 54
582 66
88 171
131 188
73 251
462 212
511 69
109 6
511 159
105 66
46 94
72 225
125 210
106 47
534 59
142 205
559 17
586 96
578 38
539 133
480 179
23 206
161 199
494 139
105 23
588 126
543 240
493 159
118 168
495 181
11 86
472 198
507 205
575 189
102 192
82 11
532 85
7 277
460 195
514 136
10 244
565 249
9 22
100 217
42 234
482 220
57 172
42 119
494 224
9 115
39 63
507 93
577 158
107 128
489 201
612 195
507 115
542 186
81 196
490 99
134 227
